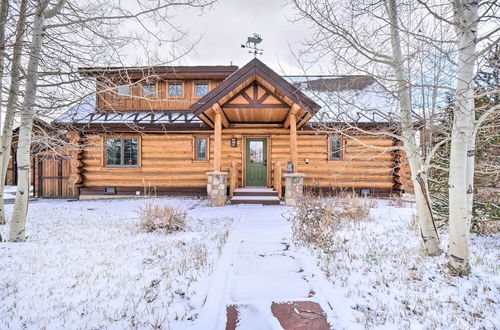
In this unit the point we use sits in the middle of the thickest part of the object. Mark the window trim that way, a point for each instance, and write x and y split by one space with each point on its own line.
329 148
149 96
195 148
201 82
105 152
124 95
168 89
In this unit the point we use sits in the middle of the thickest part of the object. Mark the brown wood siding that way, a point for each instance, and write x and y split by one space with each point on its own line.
167 161
109 100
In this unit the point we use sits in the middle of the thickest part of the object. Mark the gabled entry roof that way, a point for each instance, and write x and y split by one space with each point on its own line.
257 73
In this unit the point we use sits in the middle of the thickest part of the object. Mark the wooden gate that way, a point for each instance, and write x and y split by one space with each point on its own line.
53 176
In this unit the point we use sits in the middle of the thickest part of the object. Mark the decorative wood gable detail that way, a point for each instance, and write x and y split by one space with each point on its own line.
255 96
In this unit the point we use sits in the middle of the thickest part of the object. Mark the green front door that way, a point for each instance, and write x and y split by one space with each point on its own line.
256 162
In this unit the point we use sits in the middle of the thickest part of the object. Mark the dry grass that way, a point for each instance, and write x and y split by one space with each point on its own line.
316 220
396 200
166 218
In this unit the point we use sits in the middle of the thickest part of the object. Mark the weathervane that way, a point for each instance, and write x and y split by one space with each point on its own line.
255 40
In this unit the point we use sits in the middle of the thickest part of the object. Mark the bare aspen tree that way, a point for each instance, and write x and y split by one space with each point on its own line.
4 12
12 101
353 34
461 177
70 35
42 13
419 178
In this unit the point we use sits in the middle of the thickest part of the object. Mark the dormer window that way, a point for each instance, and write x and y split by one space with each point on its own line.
123 90
200 88
148 90
174 89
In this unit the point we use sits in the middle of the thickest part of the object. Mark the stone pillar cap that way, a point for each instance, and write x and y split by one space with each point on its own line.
217 173
294 175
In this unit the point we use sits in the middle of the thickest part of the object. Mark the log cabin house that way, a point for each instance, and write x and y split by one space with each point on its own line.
248 133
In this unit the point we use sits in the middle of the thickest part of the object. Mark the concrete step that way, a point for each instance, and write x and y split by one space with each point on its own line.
255 191
266 200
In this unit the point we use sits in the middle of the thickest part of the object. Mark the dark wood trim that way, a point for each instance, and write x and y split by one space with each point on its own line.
179 72
60 178
255 105
159 191
40 177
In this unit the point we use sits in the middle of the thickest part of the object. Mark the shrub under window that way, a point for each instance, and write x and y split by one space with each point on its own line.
121 152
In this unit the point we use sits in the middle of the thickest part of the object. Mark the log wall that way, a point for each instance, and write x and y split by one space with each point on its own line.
166 162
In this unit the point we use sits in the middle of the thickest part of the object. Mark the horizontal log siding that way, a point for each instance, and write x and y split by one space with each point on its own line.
167 161
360 166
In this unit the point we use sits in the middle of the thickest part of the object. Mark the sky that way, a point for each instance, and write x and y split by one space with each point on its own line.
225 26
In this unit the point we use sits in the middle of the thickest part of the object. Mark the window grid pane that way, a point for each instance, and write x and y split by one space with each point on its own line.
201 148
200 89
336 148
148 90
113 152
123 90
122 152
129 152
174 89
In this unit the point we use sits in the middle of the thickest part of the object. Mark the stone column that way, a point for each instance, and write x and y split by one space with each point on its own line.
294 188
217 188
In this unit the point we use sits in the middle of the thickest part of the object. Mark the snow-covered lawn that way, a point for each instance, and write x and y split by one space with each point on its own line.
87 265
379 278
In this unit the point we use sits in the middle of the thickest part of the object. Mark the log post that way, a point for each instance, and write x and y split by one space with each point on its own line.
218 141
233 178
293 141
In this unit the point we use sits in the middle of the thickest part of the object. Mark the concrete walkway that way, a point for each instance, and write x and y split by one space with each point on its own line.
259 283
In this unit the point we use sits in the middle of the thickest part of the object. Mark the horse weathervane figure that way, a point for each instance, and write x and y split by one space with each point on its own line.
255 40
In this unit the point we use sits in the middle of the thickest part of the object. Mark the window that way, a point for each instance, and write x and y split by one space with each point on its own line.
365 192
148 90
121 152
200 88
123 90
201 148
335 148
175 89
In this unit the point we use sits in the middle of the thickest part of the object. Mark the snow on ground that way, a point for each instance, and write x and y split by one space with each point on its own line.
379 278
87 265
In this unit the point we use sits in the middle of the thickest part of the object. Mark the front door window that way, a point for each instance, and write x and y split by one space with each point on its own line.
256 152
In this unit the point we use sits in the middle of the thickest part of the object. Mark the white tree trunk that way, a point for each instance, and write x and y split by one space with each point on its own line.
4 11
428 230
17 225
12 103
461 177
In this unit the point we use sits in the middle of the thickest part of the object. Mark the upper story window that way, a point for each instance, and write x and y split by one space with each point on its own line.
201 148
123 90
335 148
200 88
174 89
148 90
122 152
